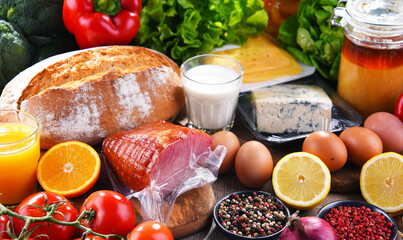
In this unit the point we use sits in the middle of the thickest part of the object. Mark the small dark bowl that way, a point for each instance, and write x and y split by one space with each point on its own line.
239 237
352 203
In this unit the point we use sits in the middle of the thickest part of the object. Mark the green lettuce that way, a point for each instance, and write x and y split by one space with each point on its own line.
184 28
309 36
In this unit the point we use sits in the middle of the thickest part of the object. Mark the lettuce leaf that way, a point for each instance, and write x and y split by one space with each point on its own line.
184 28
309 36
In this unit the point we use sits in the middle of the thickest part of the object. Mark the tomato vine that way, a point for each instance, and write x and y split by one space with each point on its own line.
51 209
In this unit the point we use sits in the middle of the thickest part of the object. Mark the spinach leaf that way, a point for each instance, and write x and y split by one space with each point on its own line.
309 37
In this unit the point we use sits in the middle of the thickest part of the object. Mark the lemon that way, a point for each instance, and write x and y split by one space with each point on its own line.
381 181
301 180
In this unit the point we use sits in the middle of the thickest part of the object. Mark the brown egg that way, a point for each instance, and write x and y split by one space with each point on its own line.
389 129
253 164
362 144
231 142
328 147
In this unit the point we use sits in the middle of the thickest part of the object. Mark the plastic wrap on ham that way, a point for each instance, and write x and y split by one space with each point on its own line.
158 161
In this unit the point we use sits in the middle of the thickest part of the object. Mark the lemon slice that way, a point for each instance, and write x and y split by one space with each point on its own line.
301 180
381 181
70 169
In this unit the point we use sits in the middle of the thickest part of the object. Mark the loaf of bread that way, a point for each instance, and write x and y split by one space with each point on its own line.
90 94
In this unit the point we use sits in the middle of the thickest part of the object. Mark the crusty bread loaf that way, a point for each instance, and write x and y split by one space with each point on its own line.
88 95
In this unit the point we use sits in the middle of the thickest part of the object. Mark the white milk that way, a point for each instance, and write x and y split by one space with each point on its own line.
211 96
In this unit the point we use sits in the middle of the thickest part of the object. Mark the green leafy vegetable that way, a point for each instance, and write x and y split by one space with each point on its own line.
34 17
309 37
185 28
15 52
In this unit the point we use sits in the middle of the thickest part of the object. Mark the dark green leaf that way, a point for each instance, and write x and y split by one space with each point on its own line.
287 33
309 12
334 70
315 33
328 9
305 41
328 2
300 55
322 16
320 66
304 21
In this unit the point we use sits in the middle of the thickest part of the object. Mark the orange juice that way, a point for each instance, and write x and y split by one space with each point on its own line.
19 155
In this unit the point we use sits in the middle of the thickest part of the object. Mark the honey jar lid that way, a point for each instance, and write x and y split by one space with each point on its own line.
377 12
371 21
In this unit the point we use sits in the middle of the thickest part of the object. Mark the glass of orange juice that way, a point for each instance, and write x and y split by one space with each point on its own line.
19 155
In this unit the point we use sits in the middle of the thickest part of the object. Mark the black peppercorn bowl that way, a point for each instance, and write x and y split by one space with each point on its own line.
252 193
353 203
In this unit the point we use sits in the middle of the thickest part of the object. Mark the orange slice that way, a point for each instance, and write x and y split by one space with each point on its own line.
69 168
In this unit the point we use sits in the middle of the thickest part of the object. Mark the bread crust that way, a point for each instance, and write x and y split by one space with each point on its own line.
97 92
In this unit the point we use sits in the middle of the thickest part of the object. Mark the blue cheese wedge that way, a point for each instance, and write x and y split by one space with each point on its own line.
292 108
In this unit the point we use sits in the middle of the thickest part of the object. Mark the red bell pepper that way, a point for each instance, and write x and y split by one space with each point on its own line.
102 22
399 108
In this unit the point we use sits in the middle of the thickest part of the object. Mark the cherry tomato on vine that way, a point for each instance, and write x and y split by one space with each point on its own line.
43 231
114 214
92 237
150 230
3 226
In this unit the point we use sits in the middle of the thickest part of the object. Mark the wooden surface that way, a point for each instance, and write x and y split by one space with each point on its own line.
345 185
228 183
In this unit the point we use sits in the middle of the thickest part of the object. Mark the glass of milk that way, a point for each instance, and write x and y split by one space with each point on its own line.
211 83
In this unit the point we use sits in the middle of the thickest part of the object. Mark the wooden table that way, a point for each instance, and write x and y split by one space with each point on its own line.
228 183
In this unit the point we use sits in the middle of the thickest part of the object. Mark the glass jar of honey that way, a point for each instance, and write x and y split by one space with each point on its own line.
371 65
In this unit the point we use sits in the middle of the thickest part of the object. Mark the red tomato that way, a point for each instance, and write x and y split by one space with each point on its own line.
43 231
114 214
151 230
92 237
3 226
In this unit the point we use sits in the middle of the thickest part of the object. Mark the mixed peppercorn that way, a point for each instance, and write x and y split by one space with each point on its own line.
255 215
358 223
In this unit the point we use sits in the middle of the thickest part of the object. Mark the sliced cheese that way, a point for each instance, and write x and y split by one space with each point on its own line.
262 60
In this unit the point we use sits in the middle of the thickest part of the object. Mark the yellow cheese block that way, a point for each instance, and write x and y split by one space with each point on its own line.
262 60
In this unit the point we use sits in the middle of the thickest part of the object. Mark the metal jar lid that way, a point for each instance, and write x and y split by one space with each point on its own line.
372 21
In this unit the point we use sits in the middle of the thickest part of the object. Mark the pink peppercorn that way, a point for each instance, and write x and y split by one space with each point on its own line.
358 223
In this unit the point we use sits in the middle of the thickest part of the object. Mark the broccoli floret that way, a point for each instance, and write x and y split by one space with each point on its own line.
35 17
15 52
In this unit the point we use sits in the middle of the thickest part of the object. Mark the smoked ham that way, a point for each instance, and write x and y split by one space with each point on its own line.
158 153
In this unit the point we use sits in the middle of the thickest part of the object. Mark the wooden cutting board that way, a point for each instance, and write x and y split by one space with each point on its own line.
191 212
346 180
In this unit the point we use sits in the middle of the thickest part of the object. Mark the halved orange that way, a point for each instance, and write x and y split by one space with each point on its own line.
70 169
